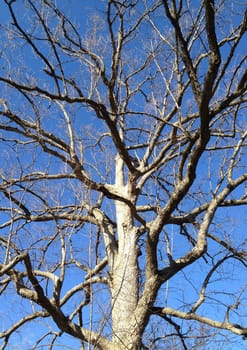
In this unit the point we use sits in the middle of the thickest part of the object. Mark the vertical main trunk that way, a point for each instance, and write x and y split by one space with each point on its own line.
125 277
125 270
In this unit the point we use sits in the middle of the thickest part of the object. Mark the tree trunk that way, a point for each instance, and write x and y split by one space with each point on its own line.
125 270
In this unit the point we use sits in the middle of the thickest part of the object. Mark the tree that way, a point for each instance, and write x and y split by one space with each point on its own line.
123 187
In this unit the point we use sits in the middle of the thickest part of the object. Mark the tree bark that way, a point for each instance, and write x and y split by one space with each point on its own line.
125 270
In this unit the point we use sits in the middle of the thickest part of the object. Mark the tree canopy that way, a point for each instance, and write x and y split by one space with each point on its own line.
123 174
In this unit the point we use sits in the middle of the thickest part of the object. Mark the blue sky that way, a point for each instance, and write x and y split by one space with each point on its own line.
86 123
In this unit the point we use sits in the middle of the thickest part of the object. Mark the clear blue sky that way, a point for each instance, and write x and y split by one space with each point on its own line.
81 11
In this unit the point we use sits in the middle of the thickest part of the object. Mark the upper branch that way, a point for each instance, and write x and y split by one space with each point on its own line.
184 52
214 63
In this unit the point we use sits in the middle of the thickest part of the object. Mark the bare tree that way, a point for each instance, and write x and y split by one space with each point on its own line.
123 175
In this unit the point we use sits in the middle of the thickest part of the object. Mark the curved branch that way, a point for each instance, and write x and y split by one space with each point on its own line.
192 316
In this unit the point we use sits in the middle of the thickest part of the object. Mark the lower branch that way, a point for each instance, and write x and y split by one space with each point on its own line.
234 328
50 306
6 334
